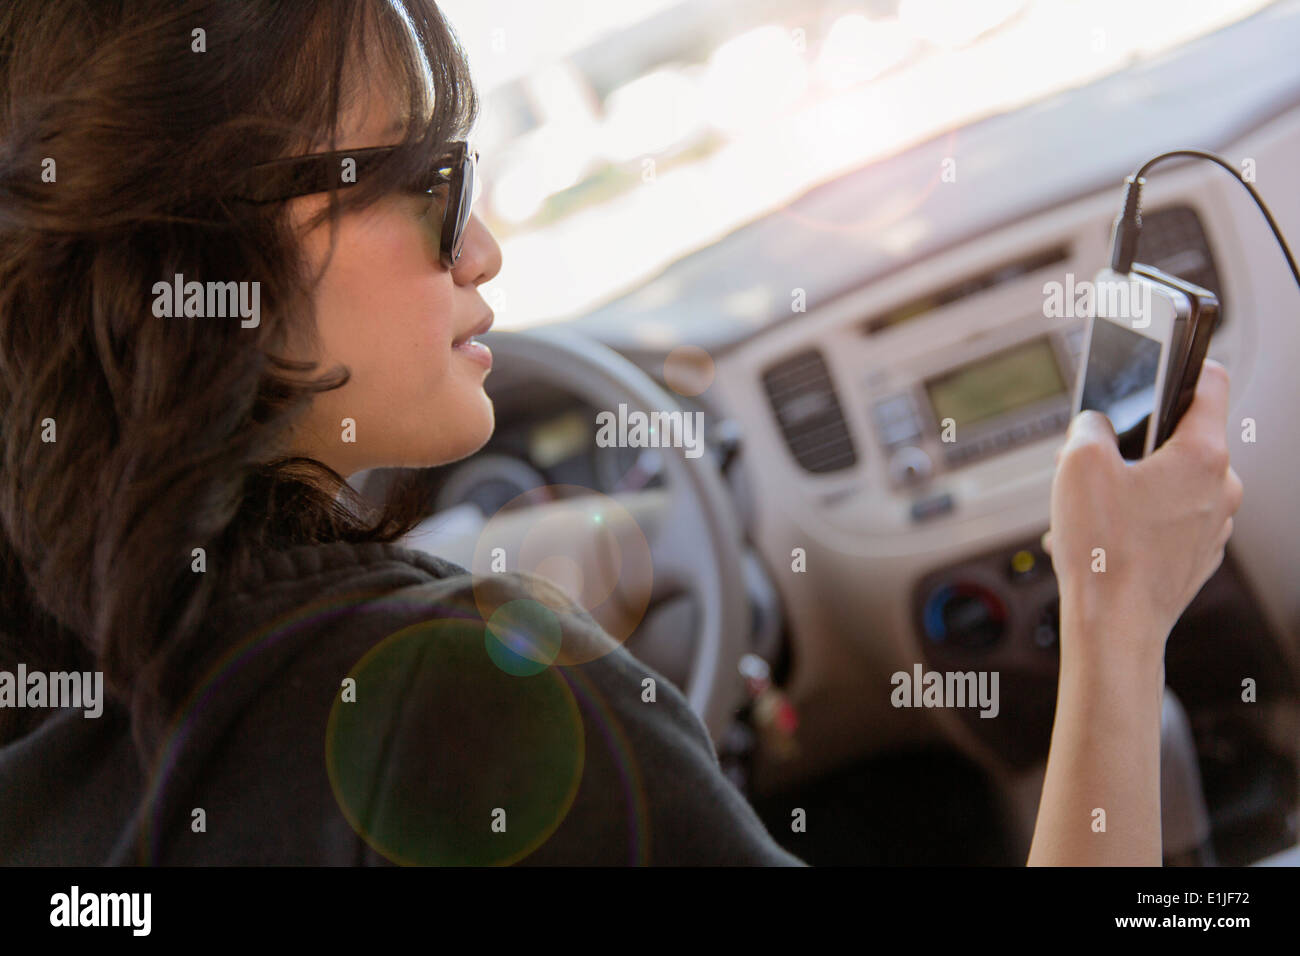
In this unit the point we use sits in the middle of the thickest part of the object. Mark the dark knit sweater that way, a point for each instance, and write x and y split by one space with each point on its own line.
452 744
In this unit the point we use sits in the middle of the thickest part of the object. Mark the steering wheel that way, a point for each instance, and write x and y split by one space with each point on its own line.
689 524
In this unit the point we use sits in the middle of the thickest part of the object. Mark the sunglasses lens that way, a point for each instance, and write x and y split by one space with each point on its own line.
461 208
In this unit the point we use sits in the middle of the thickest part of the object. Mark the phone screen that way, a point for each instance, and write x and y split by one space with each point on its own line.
1120 382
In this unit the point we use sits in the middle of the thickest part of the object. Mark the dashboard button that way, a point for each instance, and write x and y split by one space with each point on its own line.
1026 564
910 466
1047 629
931 507
896 420
893 408
964 614
899 431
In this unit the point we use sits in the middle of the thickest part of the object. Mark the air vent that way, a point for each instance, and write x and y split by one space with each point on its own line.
804 401
1174 241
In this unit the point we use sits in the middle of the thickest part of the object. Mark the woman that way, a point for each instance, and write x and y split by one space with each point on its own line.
173 510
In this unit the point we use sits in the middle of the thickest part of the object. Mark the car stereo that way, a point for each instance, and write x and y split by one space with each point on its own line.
965 405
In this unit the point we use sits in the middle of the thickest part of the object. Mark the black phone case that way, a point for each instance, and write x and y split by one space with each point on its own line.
1185 367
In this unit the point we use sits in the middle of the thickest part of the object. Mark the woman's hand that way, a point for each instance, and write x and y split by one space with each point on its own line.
1131 544
1158 527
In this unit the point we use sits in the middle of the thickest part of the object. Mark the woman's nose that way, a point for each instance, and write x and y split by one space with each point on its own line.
480 257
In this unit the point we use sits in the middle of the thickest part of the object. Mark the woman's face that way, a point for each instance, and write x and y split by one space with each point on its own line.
389 310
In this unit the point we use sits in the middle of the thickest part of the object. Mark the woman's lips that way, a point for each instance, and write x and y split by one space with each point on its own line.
473 350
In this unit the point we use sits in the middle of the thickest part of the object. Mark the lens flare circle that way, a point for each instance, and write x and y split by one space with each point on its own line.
496 776
582 550
688 370
523 637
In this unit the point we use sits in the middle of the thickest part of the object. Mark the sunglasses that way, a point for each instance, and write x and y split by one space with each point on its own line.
282 179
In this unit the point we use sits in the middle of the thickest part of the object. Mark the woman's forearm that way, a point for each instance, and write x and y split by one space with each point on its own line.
1159 527
1101 794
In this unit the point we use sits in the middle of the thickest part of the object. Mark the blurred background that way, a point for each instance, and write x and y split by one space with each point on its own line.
616 138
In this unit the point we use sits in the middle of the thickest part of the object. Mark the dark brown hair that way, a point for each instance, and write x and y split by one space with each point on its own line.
170 434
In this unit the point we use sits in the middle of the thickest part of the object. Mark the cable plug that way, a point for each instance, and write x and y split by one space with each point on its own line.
1128 226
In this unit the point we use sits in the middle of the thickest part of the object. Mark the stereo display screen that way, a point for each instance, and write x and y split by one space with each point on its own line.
997 384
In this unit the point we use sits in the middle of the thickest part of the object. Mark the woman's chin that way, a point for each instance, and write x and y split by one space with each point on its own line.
474 432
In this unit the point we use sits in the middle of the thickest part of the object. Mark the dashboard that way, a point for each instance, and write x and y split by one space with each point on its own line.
908 431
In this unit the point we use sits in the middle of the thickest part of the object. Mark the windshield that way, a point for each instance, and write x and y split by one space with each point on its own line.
617 137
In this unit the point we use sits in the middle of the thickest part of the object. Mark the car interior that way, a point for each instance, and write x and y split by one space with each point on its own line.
829 538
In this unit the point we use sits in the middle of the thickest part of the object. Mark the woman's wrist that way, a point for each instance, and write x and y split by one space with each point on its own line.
1111 640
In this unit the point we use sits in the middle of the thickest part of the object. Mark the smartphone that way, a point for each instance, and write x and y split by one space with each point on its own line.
1146 339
